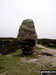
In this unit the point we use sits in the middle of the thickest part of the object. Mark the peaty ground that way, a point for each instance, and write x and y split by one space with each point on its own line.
18 64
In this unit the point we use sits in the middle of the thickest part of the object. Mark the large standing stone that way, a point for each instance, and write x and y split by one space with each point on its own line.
27 36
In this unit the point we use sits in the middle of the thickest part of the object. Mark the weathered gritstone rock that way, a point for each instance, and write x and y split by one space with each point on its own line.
27 36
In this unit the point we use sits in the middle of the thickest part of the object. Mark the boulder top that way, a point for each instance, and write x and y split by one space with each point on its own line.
27 21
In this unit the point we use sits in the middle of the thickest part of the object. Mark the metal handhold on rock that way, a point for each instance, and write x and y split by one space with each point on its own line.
27 37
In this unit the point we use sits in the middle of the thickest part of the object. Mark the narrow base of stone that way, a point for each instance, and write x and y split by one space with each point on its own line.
27 52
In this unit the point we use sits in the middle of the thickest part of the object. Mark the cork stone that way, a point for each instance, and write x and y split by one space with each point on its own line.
27 37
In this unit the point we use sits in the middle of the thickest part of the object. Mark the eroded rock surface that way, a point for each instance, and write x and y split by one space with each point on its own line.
27 36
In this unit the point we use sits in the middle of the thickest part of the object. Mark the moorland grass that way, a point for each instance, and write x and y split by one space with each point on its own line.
11 64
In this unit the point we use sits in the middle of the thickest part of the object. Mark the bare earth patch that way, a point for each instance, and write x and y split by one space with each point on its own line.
30 60
46 56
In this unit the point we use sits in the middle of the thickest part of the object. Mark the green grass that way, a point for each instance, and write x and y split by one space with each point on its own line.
11 64
48 46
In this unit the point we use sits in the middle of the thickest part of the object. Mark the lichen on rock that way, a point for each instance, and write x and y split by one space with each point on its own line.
27 36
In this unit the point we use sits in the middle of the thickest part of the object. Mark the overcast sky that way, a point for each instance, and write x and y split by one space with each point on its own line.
13 12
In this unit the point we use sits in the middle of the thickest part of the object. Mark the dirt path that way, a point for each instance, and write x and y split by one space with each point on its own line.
48 50
47 55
